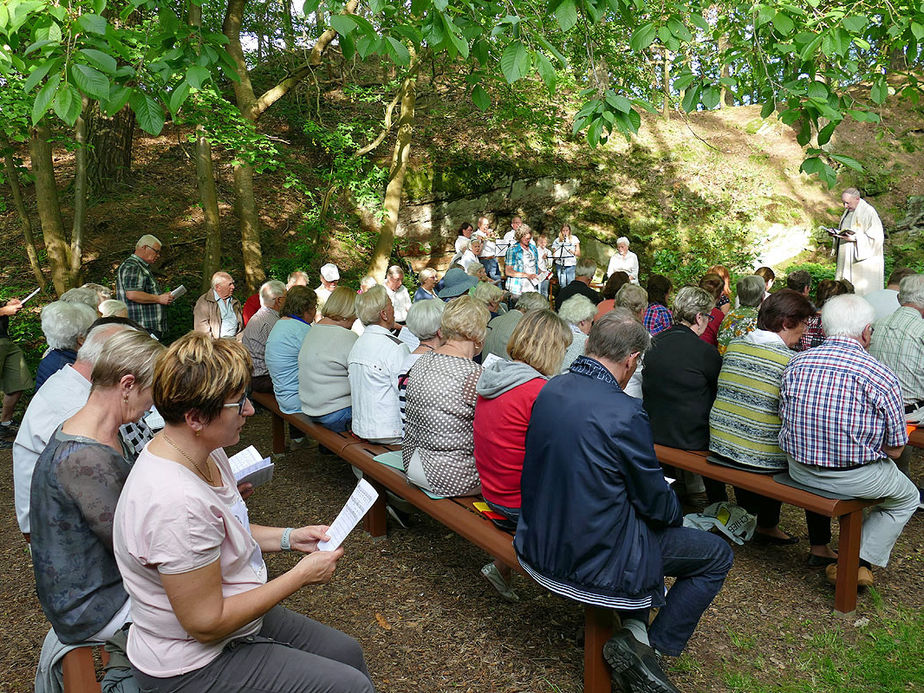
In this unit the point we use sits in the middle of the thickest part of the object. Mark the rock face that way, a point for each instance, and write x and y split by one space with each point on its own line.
782 243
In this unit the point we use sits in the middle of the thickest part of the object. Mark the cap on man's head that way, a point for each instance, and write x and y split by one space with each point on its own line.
330 273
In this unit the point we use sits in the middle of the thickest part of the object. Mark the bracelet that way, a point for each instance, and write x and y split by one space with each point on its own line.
284 542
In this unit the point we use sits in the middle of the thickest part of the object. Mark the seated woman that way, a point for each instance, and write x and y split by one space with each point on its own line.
64 325
679 385
742 319
712 284
423 320
744 423
489 294
615 282
75 488
578 312
427 288
724 302
658 317
506 392
635 299
814 334
323 362
204 615
438 445
285 342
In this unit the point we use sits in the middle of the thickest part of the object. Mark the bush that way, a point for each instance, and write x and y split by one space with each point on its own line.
817 270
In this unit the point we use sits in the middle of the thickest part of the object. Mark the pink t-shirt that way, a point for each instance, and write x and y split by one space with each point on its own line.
170 521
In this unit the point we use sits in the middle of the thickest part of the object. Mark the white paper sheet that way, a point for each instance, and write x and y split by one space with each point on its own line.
357 505
249 466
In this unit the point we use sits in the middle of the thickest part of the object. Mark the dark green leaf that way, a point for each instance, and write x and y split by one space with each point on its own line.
38 44
642 37
566 15
118 97
480 98
90 81
817 90
179 96
92 24
148 112
196 75
68 104
678 29
824 135
44 97
812 165
768 108
310 6
617 101
698 20
879 91
514 62
342 24
684 81
848 161
103 61
38 74
783 24
399 52
691 99
546 71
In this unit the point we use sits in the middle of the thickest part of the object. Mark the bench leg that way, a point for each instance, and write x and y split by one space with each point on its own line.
376 520
848 562
279 434
598 628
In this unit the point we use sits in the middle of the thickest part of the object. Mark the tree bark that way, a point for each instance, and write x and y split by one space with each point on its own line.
109 155
13 177
80 193
49 208
288 31
666 83
399 159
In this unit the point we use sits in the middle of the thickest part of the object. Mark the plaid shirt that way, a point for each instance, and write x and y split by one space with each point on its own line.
839 406
898 341
813 335
657 318
135 275
519 260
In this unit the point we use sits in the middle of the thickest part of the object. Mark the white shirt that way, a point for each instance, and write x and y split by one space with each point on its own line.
467 260
401 300
228 316
462 244
884 302
570 247
376 360
627 263
59 398
490 247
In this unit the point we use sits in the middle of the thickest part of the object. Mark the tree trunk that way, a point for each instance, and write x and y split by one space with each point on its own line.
399 159
666 84
80 192
250 226
109 155
49 208
16 191
288 31
725 98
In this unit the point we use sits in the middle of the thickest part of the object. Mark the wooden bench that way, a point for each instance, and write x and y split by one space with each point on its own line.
458 514
916 438
78 670
848 512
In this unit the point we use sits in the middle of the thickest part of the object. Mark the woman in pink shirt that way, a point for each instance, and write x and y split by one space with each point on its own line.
204 615
506 392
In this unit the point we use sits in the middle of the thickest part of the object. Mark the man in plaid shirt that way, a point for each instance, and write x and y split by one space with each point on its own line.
844 424
137 288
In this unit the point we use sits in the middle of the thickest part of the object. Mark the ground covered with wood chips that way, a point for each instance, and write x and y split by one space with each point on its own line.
428 621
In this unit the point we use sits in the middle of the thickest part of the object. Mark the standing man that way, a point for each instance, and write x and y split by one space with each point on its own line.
521 266
137 288
488 257
398 293
859 245
217 312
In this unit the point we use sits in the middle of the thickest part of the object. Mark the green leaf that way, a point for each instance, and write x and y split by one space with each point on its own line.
711 97
848 161
92 24
399 52
805 53
684 81
879 91
90 81
551 49
566 15
68 104
783 24
593 132
178 96
817 90
196 75
514 62
44 97
118 97
546 71
617 101
148 112
103 61
855 24
698 20
342 24
768 108
38 74
678 29
480 98
643 37
452 31
310 6
812 165
824 135
691 99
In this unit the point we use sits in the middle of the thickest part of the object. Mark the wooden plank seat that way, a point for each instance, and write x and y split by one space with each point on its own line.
78 670
848 512
458 514
916 438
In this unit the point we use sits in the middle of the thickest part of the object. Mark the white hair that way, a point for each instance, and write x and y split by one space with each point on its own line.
370 304
846 316
424 318
113 306
395 271
148 240
622 240
220 276
585 268
296 277
577 309
367 283
911 290
96 340
83 295
270 291
63 323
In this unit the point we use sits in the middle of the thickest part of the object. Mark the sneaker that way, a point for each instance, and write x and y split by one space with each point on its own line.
6 444
492 575
637 664
864 575
8 431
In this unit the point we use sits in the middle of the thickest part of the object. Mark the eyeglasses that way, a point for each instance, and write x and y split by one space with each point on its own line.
156 251
240 404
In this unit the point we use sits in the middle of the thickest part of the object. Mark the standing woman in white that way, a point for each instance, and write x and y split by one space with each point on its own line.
623 261
566 250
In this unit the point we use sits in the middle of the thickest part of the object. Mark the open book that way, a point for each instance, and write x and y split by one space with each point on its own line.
249 467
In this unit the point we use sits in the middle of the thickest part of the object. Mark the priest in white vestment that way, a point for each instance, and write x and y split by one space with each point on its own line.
859 255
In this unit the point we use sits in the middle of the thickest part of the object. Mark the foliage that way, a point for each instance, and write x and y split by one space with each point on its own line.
816 270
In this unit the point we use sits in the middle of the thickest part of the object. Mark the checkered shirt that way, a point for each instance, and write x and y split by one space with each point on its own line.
135 275
839 406
518 259
657 318
898 342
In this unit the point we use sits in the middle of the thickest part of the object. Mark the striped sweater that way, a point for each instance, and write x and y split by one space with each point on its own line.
744 423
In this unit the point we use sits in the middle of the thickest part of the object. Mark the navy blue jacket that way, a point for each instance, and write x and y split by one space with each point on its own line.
592 489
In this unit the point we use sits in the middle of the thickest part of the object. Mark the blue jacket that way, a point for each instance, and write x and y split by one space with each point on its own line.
592 489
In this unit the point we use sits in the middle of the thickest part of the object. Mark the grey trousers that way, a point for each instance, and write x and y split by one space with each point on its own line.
881 479
291 654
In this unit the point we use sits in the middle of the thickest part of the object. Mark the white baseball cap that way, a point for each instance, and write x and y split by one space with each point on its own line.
330 273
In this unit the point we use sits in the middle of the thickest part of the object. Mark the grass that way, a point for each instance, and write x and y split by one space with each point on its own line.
886 658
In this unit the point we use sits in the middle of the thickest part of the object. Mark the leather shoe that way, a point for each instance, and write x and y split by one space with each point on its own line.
820 561
864 575
637 664
770 540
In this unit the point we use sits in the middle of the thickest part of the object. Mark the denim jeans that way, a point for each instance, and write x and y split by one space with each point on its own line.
565 276
337 421
491 267
700 561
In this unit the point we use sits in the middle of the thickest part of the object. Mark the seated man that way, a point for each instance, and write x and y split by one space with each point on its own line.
217 312
376 361
583 275
635 538
255 334
252 304
844 423
330 277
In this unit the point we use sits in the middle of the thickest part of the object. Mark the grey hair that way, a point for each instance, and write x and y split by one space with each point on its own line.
148 240
295 277
88 297
486 292
219 276
474 269
425 274
424 318
690 302
369 304
911 290
617 335
395 271
751 290
633 297
577 309
622 240
367 283
96 340
464 243
63 323
112 306
585 268
852 192
270 291
104 292
531 300
126 353
846 315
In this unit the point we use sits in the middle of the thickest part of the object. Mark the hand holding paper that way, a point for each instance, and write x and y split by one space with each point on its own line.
357 505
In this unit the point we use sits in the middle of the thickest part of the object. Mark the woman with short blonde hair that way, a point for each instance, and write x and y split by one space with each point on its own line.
340 305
